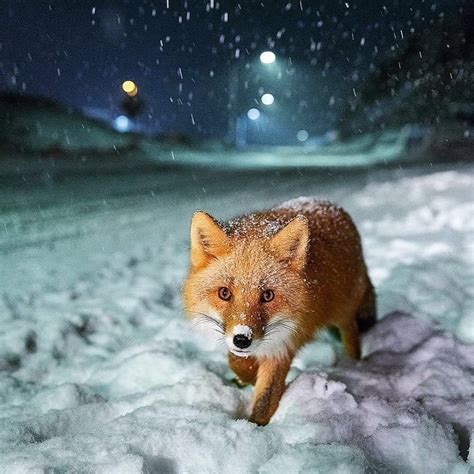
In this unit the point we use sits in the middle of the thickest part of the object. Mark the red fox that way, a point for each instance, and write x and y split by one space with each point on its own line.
266 282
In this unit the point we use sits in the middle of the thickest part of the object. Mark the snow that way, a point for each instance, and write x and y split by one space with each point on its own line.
100 372
244 330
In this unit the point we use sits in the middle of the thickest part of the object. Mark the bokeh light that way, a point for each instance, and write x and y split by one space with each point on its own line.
122 123
253 114
302 135
267 99
130 88
267 57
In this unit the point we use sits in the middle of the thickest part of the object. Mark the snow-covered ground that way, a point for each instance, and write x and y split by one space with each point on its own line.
99 372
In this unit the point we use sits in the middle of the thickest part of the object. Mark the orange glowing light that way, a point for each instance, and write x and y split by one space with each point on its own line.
130 88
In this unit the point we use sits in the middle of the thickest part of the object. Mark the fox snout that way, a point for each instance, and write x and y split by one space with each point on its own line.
240 339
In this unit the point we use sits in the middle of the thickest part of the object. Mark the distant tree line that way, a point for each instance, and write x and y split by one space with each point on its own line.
429 80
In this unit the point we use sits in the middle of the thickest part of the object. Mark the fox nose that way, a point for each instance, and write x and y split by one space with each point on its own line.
242 341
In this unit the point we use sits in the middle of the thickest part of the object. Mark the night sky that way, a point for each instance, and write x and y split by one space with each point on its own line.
181 53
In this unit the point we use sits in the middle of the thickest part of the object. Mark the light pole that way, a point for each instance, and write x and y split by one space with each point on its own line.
235 127
242 126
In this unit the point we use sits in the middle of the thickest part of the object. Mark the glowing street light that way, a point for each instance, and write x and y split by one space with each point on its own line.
253 114
267 57
122 123
267 99
130 88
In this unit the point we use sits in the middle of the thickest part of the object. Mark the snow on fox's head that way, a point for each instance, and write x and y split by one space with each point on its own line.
245 285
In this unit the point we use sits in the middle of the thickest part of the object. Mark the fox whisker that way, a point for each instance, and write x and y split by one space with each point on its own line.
210 326
207 316
203 318
278 326
277 337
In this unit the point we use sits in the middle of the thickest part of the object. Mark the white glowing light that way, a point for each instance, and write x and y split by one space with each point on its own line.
122 123
253 114
267 99
302 135
267 57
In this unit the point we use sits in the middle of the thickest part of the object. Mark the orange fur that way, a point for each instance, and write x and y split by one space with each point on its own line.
308 253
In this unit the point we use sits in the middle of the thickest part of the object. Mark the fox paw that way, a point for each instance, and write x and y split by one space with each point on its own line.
238 382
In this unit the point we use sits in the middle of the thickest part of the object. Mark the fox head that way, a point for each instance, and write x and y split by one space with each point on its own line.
247 287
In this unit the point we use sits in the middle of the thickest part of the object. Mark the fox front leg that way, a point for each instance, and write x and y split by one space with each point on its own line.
269 389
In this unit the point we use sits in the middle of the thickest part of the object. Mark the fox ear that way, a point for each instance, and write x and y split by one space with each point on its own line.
290 243
208 240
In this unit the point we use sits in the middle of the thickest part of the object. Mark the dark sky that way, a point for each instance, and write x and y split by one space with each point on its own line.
181 52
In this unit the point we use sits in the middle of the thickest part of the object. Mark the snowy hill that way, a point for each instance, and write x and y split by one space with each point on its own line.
99 371
35 124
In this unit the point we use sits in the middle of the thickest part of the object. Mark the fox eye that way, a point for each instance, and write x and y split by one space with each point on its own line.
224 293
267 296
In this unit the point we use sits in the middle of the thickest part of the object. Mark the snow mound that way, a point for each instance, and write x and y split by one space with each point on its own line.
393 411
420 251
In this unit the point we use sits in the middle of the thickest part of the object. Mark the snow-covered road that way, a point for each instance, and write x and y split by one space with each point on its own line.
100 373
